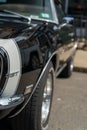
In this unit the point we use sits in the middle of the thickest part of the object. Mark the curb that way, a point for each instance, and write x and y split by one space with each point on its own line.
80 61
78 69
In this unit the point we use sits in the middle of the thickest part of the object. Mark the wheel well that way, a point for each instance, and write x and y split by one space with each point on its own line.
54 61
34 53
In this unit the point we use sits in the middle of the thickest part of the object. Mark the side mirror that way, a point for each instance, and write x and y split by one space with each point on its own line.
68 19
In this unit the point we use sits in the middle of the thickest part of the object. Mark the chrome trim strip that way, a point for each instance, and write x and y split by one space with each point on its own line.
9 102
54 11
60 70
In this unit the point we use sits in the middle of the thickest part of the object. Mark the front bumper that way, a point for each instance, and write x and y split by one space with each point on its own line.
10 102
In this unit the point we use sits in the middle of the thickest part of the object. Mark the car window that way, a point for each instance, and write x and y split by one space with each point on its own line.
37 9
59 11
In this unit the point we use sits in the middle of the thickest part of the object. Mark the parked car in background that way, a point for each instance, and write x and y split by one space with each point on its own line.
37 44
78 10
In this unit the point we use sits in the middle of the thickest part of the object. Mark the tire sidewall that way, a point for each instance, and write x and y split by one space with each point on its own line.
40 97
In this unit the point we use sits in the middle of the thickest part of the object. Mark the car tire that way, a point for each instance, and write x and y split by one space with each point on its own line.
67 72
35 116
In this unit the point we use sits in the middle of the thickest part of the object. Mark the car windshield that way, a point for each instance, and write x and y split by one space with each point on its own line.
36 9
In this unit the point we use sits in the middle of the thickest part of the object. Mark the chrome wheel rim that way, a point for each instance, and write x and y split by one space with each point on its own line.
46 103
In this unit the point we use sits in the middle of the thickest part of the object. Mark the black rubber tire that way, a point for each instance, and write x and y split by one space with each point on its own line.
67 72
30 117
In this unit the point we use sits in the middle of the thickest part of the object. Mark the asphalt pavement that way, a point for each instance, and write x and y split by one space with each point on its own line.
69 109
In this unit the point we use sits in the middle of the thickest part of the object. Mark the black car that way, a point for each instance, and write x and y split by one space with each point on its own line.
37 44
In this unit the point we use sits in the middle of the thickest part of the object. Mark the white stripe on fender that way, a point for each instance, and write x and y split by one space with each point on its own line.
14 73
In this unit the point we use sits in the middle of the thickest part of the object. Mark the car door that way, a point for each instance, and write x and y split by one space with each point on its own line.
65 33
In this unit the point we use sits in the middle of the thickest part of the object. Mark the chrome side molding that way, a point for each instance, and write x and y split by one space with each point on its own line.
9 102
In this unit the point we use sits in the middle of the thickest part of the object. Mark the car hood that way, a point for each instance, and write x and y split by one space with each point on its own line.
11 28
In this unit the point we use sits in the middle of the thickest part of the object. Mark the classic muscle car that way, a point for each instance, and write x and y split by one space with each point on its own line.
37 44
